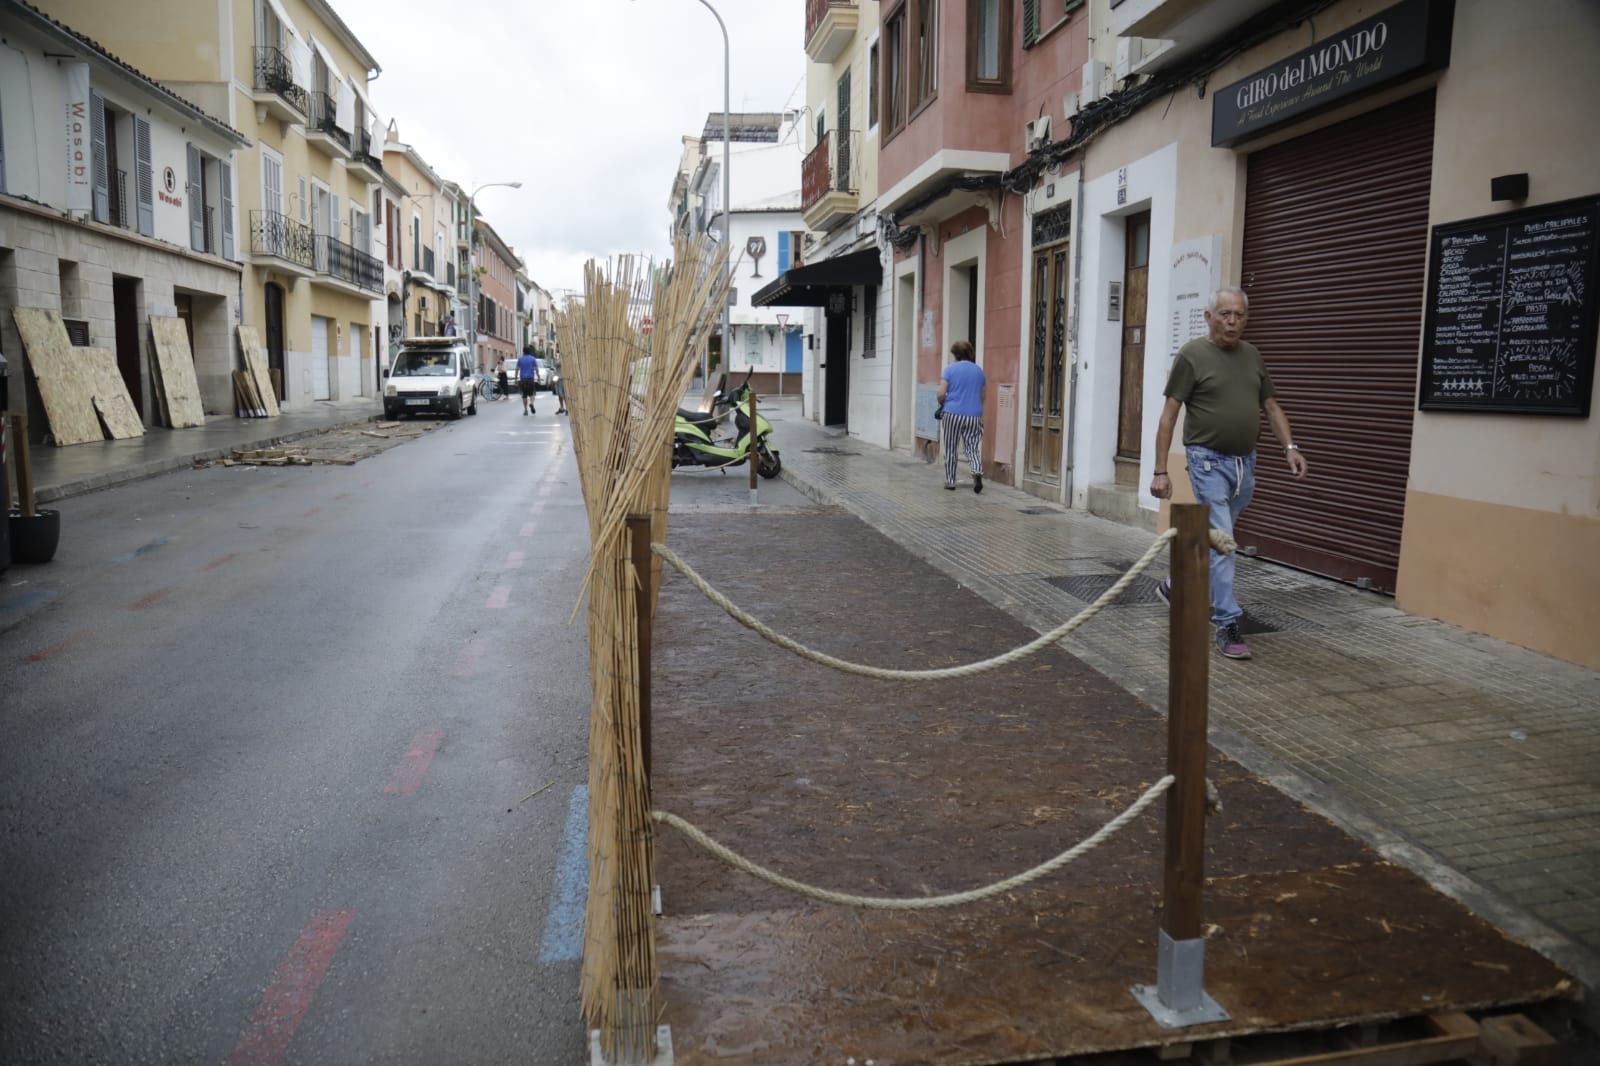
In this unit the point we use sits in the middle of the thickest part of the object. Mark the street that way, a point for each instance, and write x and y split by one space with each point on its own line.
290 755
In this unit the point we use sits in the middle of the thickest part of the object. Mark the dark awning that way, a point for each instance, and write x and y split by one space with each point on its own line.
809 285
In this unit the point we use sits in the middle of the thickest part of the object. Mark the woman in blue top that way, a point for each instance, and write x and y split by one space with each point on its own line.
961 393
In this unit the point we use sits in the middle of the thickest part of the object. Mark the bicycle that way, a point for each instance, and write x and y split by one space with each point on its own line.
486 386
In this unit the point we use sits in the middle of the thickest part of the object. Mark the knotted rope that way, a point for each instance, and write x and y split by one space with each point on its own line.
1219 541
918 903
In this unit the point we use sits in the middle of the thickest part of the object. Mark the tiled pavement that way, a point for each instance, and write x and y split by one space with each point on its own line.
1468 759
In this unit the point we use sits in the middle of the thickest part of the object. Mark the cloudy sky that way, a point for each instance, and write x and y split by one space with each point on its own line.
583 101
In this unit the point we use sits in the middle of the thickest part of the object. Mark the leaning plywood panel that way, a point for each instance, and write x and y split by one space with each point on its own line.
175 364
65 383
111 397
255 361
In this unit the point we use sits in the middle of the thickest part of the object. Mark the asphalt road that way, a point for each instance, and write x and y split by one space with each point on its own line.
269 740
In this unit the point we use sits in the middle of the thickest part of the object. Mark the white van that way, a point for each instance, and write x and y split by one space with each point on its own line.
431 374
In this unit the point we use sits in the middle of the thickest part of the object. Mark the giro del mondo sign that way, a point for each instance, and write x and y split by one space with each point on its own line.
1401 42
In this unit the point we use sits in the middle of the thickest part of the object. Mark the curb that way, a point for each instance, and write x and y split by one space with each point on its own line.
1391 844
157 467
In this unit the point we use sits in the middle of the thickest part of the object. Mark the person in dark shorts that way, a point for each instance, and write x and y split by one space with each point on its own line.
527 380
505 382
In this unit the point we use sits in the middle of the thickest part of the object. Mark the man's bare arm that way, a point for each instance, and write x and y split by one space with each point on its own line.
1160 482
1280 429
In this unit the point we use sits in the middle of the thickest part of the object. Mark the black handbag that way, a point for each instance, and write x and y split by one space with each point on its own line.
938 412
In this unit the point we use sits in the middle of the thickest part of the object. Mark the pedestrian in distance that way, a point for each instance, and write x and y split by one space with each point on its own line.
527 379
505 382
961 400
558 386
1223 386
449 325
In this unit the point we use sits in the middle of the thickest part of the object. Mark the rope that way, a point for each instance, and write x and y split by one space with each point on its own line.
920 902
1219 540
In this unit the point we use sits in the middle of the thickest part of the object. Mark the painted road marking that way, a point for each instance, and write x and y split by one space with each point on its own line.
499 597
408 775
514 561
563 926
151 599
311 512
527 529
220 561
56 649
467 660
143 549
27 599
285 1002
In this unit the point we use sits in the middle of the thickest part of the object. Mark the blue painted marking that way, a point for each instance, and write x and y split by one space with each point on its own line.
143 549
563 926
27 599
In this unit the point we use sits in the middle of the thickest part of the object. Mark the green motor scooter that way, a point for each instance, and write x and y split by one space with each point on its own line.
705 440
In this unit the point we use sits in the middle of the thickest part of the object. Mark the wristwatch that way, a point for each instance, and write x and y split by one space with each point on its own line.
1287 448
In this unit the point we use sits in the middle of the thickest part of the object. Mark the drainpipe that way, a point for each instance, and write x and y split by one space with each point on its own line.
1076 320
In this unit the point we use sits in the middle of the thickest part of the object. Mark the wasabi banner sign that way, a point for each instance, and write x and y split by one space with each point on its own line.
79 135
1401 42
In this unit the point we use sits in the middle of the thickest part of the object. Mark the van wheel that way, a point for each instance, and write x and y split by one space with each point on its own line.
454 410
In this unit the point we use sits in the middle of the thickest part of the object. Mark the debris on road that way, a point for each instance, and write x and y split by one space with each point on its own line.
338 447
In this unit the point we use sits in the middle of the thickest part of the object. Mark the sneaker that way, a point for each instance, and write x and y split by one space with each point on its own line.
1164 591
977 482
949 488
1230 643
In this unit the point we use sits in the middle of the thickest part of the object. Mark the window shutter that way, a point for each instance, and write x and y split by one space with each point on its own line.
197 218
144 182
1030 22
305 204
98 164
333 216
225 176
2 151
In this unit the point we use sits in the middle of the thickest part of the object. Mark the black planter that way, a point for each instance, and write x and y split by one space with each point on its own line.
34 537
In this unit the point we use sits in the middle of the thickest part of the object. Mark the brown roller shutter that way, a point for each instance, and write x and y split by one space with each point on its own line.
1335 242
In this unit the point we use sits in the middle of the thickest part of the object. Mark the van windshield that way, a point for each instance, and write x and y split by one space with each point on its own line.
422 365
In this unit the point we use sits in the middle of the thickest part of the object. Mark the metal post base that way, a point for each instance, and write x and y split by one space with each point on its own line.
655 900
663 1050
1178 998
753 501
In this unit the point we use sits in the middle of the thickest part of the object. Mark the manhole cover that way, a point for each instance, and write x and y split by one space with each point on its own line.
1037 510
1088 587
829 450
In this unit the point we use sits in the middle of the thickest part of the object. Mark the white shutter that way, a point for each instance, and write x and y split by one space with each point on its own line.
197 219
271 184
305 205
225 176
97 164
144 181
333 216
300 62
344 105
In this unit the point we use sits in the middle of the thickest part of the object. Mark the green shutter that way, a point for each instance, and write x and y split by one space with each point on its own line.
1030 22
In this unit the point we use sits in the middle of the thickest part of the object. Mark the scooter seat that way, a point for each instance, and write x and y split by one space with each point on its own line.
698 418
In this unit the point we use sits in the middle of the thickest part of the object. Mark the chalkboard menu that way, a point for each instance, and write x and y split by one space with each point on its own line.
1511 312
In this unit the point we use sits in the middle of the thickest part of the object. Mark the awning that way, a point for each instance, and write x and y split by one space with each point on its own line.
809 285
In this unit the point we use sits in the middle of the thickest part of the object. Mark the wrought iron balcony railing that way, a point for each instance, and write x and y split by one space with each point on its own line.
282 238
363 150
120 215
208 230
274 75
816 9
341 261
324 117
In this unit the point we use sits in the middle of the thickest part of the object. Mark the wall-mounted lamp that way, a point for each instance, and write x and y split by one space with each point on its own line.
1509 187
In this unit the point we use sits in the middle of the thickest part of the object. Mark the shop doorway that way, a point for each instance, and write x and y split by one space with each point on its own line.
321 350
836 361
274 315
1047 373
1135 299
125 315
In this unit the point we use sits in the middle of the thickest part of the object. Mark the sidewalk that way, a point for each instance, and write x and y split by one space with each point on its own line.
60 472
1471 761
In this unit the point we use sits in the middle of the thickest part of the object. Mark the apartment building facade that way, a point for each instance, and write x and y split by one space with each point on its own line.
117 202
497 267
419 209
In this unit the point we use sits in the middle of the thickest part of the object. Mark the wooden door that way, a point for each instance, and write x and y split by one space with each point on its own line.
1135 287
1047 375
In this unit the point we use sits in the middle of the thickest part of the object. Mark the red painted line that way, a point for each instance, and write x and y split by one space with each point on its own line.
408 776
311 512
527 530
467 661
285 1002
55 649
514 561
499 597
152 599
220 561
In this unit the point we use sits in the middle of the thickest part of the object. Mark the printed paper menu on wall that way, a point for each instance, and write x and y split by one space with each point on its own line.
1512 312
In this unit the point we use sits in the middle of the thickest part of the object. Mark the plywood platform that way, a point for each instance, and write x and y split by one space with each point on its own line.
914 789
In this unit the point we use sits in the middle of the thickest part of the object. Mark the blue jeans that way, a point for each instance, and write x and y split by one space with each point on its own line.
1224 483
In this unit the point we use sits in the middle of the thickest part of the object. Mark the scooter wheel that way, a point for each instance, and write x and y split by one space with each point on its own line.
768 464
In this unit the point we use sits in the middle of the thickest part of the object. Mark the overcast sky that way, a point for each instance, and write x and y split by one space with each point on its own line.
583 101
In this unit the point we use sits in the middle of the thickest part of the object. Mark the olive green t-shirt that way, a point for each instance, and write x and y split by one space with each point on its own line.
1223 390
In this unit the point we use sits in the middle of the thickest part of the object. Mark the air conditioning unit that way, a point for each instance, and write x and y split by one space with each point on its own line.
1036 134
1094 73
1069 105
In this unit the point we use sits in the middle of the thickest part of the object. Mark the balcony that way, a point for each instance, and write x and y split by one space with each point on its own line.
428 261
121 215
323 132
828 193
1190 24
282 243
450 275
829 26
275 93
363 165
336 261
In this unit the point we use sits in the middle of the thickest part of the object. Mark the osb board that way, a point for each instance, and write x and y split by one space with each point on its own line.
66 383
255 361
900 789
175 365
111 397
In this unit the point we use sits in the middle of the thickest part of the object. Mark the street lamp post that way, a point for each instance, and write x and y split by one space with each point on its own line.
472 271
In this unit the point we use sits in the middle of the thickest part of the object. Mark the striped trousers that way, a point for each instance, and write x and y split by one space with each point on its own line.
968 429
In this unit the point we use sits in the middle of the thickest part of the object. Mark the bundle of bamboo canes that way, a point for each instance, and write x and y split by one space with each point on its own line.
623 389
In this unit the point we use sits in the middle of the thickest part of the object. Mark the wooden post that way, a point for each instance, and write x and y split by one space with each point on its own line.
1178 998
754 453
639 535
19 441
